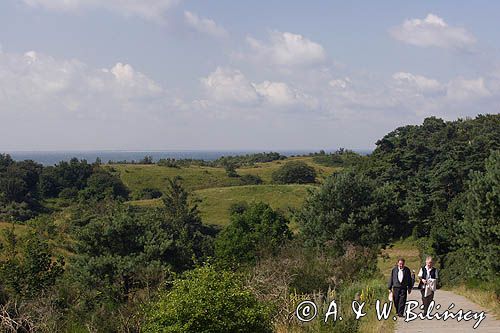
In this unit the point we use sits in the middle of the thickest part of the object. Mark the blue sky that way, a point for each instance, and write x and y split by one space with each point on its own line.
173 74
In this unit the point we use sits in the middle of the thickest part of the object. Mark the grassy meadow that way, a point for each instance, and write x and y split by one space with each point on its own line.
215 191
214 203
139 176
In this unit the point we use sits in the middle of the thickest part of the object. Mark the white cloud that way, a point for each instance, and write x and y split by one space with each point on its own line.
419 83
340 83
148 9
356 97
204 25
461 89
287 49
433 31
126 76
229 85
281 94
34 81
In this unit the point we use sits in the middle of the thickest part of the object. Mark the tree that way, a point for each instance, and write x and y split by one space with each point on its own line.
148 193
252 230
206 300
193 239
428 164
348 208
73 174
5 161
231 170
119 249
294 172
19 194
27 266
110 251
481 237
102 183
148 159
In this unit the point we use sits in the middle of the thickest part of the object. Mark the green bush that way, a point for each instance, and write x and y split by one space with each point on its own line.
206 300
251 180
103 184
253 230
16 211
481 237
69 193
231 170
27 265
349 208
238 208
148 193
294 172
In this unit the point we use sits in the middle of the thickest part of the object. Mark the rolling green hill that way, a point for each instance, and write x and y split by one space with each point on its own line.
215 202
138 176
216 191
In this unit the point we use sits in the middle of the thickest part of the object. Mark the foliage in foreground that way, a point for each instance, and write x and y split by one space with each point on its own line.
26 266
206 300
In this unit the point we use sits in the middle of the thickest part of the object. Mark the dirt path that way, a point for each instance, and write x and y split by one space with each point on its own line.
445 298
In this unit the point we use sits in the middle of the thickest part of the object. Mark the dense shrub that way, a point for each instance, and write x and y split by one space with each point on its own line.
27 265
297 273
349 207
103 184
19 192
305 270
169 163
294 172
68 193
253 230
72 174
247 160
231 170
250 179
429 164
17 211
481 233
206 300
341 157
148 193
119 249
238 208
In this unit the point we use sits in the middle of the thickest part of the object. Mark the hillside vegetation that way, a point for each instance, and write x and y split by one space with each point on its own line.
86 253
194 177
215 190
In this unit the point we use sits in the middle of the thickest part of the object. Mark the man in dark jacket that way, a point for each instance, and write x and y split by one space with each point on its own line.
400 283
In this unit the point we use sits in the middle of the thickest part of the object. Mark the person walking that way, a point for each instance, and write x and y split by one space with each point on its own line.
400 284
428 280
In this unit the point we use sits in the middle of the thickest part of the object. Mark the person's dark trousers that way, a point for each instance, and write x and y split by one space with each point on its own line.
399 295
426 300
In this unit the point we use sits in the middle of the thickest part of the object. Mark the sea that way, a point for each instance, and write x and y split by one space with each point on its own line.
54 157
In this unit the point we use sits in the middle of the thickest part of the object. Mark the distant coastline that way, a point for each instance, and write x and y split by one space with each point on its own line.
53 157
